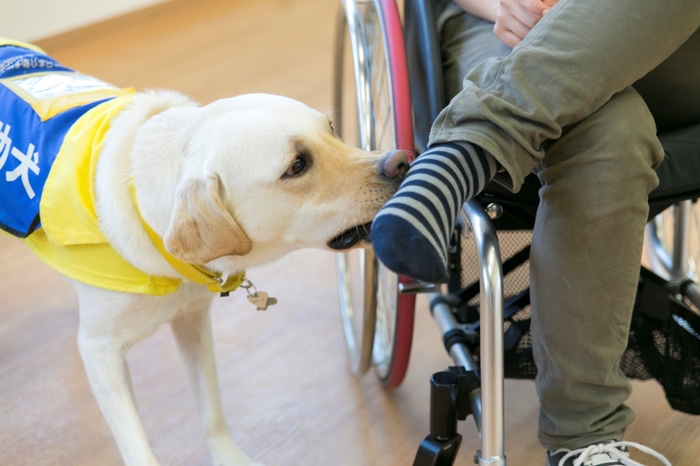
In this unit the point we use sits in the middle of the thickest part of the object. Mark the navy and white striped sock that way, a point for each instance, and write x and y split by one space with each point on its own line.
410 234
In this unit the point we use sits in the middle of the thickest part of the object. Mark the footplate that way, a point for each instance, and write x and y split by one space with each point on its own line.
449 403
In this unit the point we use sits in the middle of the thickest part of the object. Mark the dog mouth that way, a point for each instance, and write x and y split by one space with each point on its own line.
351 237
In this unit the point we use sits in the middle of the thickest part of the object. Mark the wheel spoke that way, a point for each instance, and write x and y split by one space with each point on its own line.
377 130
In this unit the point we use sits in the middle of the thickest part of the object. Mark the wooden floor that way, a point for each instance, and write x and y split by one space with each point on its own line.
288 397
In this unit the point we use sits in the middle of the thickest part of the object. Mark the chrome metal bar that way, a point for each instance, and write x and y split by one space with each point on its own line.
338 71
361 67
681 234
475 403
692 292
491 300
351 20
370 275
657 247
417 287
460 354
389 76
446 321
360 341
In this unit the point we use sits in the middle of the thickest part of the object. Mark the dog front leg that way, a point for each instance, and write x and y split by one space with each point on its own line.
110 380
110 323
194 337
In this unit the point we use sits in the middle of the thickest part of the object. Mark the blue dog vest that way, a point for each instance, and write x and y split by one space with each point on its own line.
39 102
53 125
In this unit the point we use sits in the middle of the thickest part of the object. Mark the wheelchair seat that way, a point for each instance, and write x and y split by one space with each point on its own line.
678 180
678 173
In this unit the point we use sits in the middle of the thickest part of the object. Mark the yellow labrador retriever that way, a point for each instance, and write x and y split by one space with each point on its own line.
230 185
218 189
149 202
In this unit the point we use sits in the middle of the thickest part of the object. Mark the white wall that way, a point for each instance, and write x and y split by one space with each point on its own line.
30 20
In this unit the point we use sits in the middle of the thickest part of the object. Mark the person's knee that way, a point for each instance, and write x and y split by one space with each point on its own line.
617 143
627 128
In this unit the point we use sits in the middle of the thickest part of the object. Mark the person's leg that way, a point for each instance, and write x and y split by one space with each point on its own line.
584 269
625 123
569 66
571 63
599 319
465 41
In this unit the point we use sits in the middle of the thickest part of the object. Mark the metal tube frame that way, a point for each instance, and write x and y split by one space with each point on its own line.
681 236
488 405
361 66
445 320
491 356
670 257
657 247
359 346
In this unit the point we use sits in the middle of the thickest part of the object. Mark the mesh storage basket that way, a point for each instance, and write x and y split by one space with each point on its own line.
664 340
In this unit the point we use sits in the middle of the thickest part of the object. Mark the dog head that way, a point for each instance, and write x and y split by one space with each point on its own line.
264 175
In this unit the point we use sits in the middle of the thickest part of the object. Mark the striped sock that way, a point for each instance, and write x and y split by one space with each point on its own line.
410 234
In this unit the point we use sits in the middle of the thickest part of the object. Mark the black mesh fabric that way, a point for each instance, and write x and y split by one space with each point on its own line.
664 340
667 350
666 346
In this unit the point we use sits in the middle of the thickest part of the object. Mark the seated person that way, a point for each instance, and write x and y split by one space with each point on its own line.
578 100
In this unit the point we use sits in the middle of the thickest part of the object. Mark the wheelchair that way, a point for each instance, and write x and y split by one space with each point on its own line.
388 90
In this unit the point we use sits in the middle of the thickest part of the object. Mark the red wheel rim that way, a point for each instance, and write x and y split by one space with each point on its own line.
403 124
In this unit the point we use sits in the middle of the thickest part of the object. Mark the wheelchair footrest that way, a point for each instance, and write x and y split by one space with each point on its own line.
449 403
434 452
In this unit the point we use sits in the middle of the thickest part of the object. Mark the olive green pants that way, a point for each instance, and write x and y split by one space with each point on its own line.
578 102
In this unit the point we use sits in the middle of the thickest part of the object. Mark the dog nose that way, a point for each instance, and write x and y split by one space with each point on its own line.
394 164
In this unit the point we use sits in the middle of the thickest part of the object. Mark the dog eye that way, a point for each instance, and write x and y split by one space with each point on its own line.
297 167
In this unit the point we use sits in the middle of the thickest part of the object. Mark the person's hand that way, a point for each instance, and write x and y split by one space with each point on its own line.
515 18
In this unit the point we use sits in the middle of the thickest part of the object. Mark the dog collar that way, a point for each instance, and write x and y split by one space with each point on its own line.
213 280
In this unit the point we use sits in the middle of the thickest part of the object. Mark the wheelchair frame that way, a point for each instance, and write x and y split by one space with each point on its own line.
670 258
478 388
486 396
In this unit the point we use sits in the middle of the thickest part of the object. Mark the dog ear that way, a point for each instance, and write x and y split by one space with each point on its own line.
201 229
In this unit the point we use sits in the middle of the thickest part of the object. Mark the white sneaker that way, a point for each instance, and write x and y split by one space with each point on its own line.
609 453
